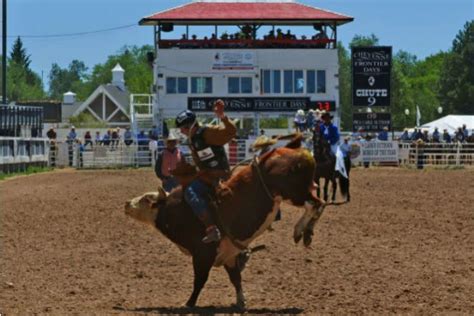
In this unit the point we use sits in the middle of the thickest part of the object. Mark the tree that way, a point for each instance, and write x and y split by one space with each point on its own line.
67 79
457 77
20 57
138 73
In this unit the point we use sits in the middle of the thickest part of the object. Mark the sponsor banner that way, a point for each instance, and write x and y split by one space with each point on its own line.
371 67
250 104
234 60
371 122
374 151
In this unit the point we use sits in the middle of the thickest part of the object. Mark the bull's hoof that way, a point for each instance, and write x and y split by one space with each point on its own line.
190 303
297 237
307 238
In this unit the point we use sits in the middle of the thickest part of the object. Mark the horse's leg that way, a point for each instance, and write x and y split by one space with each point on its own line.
314 207
326 185
236 279
334 187
202 264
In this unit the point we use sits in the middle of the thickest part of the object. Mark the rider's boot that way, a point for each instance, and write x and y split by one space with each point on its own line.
212 232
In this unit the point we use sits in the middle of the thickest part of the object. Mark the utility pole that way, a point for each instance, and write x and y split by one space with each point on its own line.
4 51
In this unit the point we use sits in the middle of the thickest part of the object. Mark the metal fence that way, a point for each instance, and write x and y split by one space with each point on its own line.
437 154
17 154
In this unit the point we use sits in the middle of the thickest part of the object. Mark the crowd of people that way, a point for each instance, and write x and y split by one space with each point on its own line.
461 135
244 38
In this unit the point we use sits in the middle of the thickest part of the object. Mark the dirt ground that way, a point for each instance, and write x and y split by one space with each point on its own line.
405 244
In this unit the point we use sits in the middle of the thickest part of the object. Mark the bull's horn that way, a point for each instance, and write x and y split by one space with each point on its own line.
161 194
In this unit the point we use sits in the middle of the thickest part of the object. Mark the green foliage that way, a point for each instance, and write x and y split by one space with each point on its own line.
30 170
456 90
86 120
22 85
67 79
138 73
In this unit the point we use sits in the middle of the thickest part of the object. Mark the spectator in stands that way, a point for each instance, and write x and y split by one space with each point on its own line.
183 37
321 36
51 134
166 162
194 37
311 119
459 135
405 137
383 135
435 138
446 136
128 136
271 35
288 35
115 137
72 135
98 141
166 130
88 139
417 134
224 36
155 133
142 141
280 34
425 137
300 121
465 131
107 138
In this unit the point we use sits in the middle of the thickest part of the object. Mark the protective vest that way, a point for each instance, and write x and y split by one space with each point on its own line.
210 156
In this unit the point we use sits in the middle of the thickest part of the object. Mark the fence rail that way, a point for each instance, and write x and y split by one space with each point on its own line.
17 154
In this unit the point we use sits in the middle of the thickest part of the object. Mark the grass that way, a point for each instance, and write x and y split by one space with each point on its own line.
28 171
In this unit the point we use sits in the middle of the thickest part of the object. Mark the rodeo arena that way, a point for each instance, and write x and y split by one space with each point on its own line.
131 218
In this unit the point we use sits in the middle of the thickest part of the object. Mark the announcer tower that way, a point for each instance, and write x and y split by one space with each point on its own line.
263 58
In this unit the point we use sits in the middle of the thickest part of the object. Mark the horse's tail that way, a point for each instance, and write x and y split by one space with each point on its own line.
344 186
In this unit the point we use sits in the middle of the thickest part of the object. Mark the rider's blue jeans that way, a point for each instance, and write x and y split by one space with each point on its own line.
196 195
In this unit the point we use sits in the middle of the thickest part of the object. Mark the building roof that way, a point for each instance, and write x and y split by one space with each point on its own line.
291 13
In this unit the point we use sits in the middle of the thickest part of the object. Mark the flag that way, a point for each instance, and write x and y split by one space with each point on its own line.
418 116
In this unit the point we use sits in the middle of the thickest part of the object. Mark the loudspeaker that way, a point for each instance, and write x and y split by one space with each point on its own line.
167 27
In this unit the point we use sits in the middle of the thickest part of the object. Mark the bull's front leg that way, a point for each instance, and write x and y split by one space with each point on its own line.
314 208
236 279
201 265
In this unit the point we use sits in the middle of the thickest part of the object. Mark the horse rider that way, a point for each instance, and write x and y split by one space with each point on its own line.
207 148
329 131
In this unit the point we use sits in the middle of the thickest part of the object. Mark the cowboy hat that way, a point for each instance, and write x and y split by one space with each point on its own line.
325 113
171 137
263 141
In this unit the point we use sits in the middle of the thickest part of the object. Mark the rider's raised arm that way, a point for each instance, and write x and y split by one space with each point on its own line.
220 135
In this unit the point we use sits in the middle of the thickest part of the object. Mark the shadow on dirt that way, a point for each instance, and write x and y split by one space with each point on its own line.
211 310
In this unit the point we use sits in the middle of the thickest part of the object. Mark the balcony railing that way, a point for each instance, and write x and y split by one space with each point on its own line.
247 43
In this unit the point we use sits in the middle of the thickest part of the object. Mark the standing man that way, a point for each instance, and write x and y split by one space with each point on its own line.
166 162
207 148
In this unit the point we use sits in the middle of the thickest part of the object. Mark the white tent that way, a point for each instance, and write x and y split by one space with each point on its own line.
451 123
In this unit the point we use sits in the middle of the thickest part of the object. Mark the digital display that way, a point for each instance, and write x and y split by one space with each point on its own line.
328 106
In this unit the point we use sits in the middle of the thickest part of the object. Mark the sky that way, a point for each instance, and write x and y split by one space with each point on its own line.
421 27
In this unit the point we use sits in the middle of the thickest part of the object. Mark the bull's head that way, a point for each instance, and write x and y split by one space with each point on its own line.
145 208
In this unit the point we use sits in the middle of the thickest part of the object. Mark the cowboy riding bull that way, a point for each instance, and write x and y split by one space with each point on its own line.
236 211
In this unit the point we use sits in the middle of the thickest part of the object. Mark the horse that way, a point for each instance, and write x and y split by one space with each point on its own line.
247 204
326 169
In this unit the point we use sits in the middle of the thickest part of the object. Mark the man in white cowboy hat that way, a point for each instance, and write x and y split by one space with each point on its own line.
383 135
300 121
167 161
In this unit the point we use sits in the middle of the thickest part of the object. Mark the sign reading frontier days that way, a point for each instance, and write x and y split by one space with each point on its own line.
371 68
250 104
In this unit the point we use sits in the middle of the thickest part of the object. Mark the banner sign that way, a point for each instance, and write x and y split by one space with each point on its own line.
250 104
371 122
375 151
234 61
371 68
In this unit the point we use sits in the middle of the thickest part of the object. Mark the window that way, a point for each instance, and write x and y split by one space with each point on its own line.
201 85
288 81
271 81
176 85
310 81
321 81
299 81
239 85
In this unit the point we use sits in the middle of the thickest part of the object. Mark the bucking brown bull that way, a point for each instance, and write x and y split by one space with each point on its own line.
247 205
